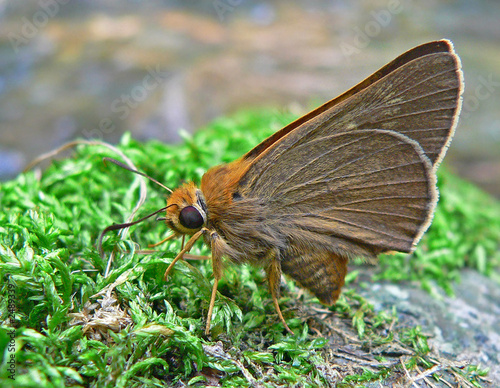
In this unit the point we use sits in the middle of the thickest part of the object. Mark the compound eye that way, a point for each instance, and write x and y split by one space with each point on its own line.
190 218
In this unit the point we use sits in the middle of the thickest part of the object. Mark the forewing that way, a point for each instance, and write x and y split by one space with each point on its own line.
418 95
361 167
372 188
420 100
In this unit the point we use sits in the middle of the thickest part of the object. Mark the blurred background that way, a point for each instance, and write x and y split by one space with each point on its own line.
97 68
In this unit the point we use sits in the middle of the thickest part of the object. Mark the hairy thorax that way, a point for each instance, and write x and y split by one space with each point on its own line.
250 233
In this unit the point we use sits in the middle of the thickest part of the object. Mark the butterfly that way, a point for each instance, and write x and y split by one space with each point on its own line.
355 177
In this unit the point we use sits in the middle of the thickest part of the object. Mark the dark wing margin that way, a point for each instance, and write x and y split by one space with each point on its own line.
427 77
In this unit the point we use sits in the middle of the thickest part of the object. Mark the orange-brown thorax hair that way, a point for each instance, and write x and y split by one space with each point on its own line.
218 186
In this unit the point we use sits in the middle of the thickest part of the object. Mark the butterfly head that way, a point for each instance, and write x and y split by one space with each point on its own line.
186 210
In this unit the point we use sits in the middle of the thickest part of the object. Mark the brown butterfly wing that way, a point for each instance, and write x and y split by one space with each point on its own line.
427 77
354 193
357 178
349 194
352 166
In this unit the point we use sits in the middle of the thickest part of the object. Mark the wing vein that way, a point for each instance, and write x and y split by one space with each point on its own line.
323 178
381 213
412 100
333 192
355 225
276 189
405 90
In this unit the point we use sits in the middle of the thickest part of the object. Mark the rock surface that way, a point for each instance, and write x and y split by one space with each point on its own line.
464 327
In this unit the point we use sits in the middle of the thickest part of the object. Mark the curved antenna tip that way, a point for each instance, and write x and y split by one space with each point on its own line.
123 165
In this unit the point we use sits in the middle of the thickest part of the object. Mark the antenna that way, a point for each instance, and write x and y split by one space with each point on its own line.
122 165
126 225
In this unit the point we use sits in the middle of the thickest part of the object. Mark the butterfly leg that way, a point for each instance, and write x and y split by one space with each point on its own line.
273 271
217 246
173 235
187 248
211 306
188 256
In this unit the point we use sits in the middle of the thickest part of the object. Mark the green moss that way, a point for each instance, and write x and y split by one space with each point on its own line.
50 268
